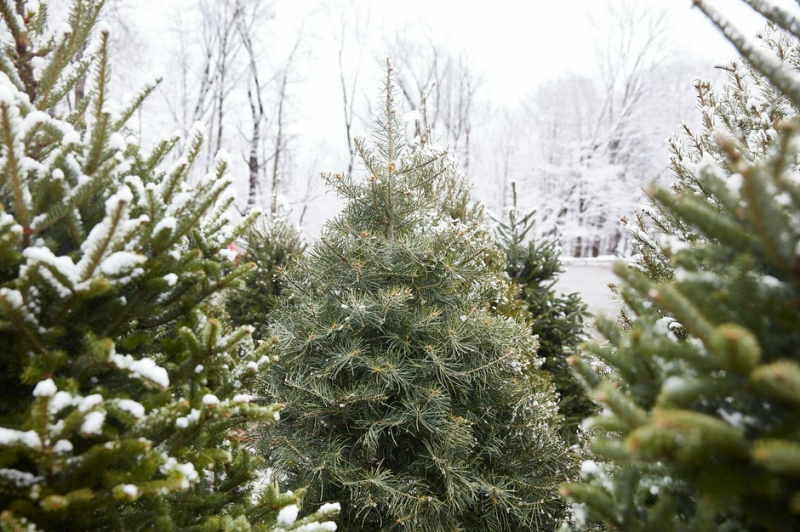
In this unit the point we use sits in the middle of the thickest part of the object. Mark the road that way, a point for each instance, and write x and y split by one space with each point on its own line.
590 280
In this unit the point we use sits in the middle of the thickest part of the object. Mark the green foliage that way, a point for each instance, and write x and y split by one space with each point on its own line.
122 404
556 319
409 399
700 428
271 246
749 109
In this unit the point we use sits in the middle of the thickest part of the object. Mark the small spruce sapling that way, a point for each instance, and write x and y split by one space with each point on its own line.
271 247
556 319
407 395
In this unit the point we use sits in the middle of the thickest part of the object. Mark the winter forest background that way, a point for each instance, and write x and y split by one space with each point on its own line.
578 117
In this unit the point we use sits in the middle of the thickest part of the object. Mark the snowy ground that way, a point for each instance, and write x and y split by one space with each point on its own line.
590 279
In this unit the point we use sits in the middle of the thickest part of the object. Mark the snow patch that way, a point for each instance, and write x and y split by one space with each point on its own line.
121 262
243 398
62 446
132 407
104 27
589 468
168 222
21 479
9 437
735 183
145 368
326 526
70 138
60 401
673 384
89 402
330 507
6 96
117 142
210 399
228 254
45 388
188 471
93 423
288 515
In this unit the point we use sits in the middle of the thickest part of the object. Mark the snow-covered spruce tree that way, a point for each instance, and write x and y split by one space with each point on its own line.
749 108
407 396
703 427
556 319
122 407
270 246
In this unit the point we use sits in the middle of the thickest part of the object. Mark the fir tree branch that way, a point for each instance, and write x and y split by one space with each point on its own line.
12 169
787 81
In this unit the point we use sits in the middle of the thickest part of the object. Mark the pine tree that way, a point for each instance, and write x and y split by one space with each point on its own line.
270 246
122 404
702 406
409 398
556 319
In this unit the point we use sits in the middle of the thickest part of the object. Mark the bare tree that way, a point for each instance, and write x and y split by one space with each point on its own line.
311 192
258 98
205 86
255 87
349 25
598 139
220 19
280 136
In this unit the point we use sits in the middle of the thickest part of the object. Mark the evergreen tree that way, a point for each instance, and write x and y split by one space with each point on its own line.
702 408
409 399
270 246
750 109
556 319
122 405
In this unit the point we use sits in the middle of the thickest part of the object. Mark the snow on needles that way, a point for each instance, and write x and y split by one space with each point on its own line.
93 423
288 515
145 369
45 388
9 437
132 407
121 262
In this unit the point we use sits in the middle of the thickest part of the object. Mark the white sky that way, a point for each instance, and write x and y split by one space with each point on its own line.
514 44
518 43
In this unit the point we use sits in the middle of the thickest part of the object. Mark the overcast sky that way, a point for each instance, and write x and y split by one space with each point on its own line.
519 43
513 44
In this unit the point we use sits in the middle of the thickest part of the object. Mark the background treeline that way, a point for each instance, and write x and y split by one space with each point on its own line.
256 73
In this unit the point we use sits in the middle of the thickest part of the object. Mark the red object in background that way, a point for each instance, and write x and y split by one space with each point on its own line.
239 251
